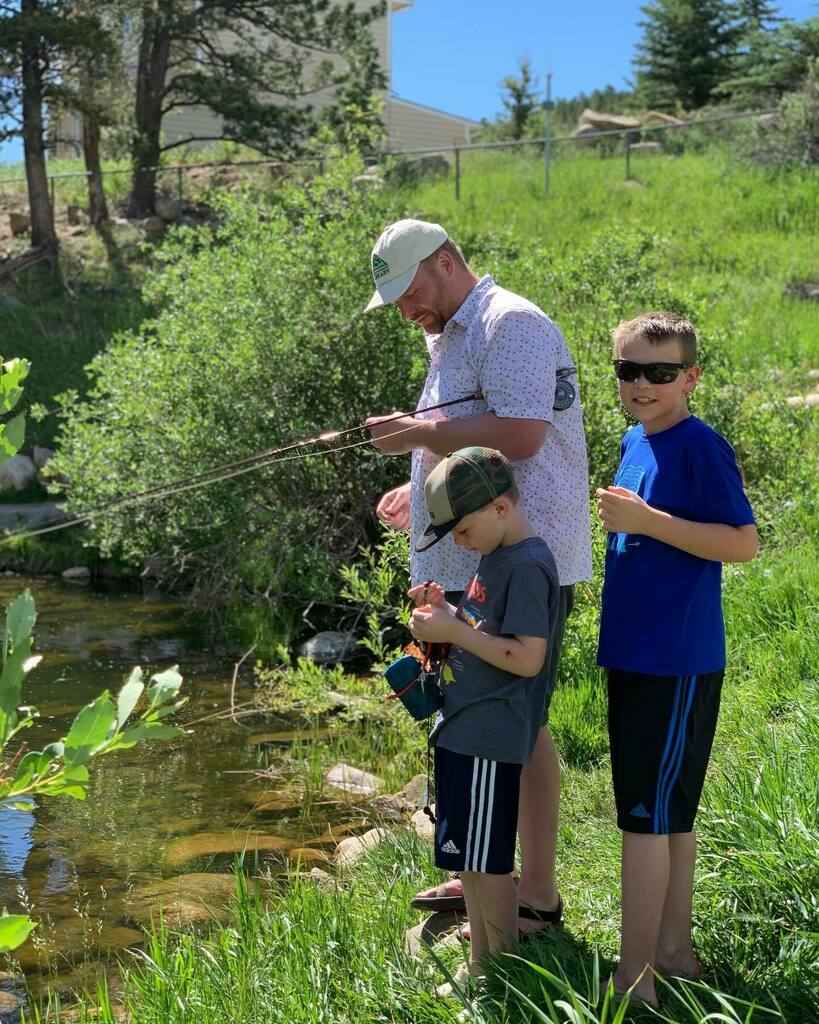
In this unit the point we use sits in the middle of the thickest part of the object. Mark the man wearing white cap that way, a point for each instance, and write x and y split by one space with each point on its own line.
484 339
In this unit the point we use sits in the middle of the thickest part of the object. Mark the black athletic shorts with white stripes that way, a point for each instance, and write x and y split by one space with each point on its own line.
476 804
661 729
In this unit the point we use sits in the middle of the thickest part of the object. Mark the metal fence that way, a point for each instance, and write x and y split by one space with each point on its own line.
546 146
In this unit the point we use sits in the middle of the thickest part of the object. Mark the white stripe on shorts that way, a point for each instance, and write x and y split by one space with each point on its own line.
471 812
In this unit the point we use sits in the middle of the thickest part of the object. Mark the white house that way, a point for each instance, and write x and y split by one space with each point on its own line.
409 125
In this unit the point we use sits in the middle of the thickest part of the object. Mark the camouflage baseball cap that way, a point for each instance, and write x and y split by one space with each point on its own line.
462 483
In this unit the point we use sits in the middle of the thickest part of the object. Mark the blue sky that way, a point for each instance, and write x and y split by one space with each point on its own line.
451 54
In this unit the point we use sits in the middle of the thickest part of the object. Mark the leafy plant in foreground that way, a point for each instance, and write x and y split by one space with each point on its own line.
101 727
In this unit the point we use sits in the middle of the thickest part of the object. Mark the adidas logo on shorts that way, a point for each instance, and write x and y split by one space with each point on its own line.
639 812
449 847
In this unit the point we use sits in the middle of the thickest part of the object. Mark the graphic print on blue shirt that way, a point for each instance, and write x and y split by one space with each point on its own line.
662 608
632 478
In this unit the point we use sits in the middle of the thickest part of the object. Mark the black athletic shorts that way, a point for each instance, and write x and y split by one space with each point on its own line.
564 607
476 806
661 729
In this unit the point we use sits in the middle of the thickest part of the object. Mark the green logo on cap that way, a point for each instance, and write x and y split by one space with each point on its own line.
380 267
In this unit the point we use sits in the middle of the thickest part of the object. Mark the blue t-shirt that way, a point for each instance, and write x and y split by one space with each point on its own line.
662 608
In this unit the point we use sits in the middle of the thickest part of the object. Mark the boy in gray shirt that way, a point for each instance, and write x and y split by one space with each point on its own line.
493 680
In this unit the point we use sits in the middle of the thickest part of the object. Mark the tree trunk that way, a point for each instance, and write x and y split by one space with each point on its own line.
97 206
154 51
43 235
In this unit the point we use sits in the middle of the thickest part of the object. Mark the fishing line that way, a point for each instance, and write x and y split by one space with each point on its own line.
229 470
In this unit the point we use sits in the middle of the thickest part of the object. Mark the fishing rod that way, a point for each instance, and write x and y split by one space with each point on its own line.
229 470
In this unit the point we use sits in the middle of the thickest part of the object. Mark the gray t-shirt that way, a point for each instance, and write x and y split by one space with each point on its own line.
489 712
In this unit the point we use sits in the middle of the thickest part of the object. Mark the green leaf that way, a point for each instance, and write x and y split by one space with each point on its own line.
90 730
164 686
13 434
17 665
14 930
128 696
148 731
20 618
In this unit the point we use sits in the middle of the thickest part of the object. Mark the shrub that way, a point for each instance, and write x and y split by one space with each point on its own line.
259 340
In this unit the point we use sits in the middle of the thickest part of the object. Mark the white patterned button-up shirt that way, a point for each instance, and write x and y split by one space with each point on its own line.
504 346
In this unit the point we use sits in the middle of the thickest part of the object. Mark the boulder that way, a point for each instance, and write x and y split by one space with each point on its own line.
606 122
209 844
305 855
351 850
20 223
40 456
196 898
170 210
439 928
657 117
422 825
287 737
320 878
368 182
77 574
329 647
411 798
151 225
804 400
16 473
803 290
354 781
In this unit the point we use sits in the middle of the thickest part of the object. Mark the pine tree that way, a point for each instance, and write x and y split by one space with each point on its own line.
685 51
521 98
754 15
256 64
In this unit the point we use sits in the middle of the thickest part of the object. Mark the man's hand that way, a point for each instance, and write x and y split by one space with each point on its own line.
623 511
398 436
432 623
394 507
430 593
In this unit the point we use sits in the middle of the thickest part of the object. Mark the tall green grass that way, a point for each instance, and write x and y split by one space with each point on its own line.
309 955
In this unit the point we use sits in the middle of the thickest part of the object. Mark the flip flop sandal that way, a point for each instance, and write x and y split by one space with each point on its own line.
549 918
440 901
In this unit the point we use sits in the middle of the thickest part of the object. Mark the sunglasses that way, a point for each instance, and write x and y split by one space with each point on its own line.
655 373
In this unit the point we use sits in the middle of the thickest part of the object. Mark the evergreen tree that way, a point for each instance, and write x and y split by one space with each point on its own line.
521 99
256 64
754 15
773 62
41 44
685 52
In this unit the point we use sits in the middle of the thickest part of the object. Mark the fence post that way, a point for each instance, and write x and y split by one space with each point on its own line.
457 172
179 183
629 138
53 189
548 106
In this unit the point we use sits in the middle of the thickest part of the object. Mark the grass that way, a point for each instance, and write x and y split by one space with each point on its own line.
316 956
735 237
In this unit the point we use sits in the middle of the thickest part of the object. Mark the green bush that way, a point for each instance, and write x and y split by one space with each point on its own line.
259 340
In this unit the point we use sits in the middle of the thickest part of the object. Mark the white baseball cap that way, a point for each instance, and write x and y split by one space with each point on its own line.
397 253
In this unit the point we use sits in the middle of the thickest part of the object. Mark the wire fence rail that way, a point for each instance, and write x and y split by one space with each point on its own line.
545 143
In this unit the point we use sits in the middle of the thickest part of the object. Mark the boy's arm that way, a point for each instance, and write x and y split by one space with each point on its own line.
520 655
623 511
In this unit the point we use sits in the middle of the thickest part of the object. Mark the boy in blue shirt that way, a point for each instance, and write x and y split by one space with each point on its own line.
677 510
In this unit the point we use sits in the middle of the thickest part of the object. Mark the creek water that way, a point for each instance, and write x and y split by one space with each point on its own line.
160 817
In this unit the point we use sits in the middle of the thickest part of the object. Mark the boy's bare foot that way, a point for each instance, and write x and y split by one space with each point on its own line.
634 998
640 992
680 965
463 980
